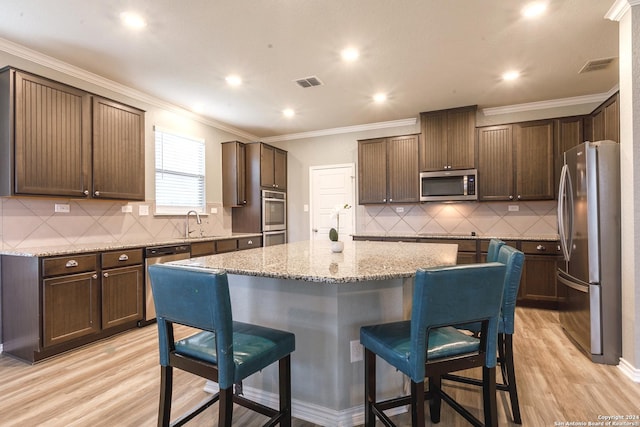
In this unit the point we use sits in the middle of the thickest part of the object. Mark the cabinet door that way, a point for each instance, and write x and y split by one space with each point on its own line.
597 125
122 296
611 119
280 169
372 171
233 174
52 138
495 163
433 146
403 172
461 131
538 283
267 166
534 160
568 134
118 151
71 307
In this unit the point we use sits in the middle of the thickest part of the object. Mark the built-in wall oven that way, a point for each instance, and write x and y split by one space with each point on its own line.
274 217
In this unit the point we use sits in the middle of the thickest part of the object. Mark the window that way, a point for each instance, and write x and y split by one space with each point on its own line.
180 173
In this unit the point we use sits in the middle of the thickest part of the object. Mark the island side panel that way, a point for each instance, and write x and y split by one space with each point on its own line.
325 318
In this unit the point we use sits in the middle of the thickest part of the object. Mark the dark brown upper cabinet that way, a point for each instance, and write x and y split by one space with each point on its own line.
515 162
233 174
54 142
568 133
388 170
273 167
604 121
448 139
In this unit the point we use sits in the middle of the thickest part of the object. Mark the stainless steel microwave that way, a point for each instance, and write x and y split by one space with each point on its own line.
449 185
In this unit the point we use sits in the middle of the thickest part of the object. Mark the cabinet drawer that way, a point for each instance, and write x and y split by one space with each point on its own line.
541 248
121 258
203 248
464 245
226 245
484 244
249 242
69 264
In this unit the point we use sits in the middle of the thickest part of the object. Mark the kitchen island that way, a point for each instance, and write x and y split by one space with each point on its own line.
324 298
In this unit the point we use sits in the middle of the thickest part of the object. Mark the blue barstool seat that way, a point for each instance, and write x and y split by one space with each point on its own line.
514 260
428 345
224 351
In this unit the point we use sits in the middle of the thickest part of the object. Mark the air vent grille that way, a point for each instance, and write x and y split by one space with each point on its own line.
306 82
595 65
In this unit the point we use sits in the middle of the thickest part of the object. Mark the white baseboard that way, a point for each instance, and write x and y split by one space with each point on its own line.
629 370
307 411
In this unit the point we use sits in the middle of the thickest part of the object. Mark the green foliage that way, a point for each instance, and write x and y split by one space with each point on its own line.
333 235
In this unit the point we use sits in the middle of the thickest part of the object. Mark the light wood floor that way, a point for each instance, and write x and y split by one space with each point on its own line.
115 383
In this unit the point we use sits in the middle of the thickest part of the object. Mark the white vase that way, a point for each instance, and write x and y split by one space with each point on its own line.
337 246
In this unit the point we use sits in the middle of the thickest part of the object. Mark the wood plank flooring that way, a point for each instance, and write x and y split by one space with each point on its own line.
116 382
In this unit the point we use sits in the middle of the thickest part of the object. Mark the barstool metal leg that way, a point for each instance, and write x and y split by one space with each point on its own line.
489 397
510 381
369 387
166 387
285 390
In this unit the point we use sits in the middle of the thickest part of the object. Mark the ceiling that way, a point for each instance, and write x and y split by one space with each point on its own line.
425 54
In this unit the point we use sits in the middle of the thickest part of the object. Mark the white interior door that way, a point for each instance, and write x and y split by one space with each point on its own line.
331 186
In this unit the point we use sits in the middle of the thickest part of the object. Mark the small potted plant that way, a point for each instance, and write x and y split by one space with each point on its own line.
336 244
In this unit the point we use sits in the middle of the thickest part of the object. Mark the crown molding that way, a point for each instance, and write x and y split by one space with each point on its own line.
619 9
553 103
71 70
345 129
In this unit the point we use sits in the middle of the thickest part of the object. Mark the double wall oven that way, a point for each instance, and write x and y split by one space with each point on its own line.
274 217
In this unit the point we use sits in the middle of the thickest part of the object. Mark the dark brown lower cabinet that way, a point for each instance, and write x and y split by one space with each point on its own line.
538 285
70 307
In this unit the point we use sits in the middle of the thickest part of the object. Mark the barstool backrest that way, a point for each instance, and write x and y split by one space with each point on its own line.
514 260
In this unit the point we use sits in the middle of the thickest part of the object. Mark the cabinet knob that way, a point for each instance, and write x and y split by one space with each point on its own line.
86 192
384 200
391 200
244 202
541 248
519 197
96 193
250 242
510 197
95 276
106 274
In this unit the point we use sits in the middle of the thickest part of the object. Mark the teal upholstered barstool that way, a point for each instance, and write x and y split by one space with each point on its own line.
224 351
429 345
494 249
514 260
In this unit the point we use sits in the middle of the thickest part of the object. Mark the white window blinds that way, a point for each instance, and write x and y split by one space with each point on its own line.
180 173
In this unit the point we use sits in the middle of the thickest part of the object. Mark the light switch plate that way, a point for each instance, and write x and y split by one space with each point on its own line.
143 210
214 210
127 209
305 208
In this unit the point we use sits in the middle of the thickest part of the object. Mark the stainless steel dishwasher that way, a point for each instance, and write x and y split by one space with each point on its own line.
157 255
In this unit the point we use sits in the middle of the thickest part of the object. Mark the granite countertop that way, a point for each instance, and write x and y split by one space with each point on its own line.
542 237
42 251
313 261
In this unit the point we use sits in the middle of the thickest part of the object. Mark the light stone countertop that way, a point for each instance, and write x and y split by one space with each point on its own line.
313 261
44 251
541 237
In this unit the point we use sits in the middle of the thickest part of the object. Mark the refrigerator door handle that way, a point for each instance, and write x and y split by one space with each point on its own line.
564 192
573 285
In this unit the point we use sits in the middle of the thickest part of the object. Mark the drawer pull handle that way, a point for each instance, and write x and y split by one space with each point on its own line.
541 248
123 257
71 263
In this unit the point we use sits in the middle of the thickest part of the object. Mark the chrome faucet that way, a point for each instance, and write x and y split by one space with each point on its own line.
186 223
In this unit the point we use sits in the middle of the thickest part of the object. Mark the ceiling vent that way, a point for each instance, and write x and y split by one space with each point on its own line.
595 65
309 82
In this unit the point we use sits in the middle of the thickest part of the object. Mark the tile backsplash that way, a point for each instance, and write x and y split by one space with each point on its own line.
485 219
30 222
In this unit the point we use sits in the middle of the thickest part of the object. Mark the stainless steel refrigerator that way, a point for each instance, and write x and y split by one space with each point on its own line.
589 283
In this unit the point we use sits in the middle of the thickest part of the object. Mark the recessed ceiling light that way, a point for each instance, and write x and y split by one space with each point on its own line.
350 54
233 80
288 112
380 97
198 108
534 9
510 75
133 20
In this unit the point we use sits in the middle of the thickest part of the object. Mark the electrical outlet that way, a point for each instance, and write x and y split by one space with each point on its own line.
127 209
143 210
514 208
61 207
214 210
399 209
357 351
